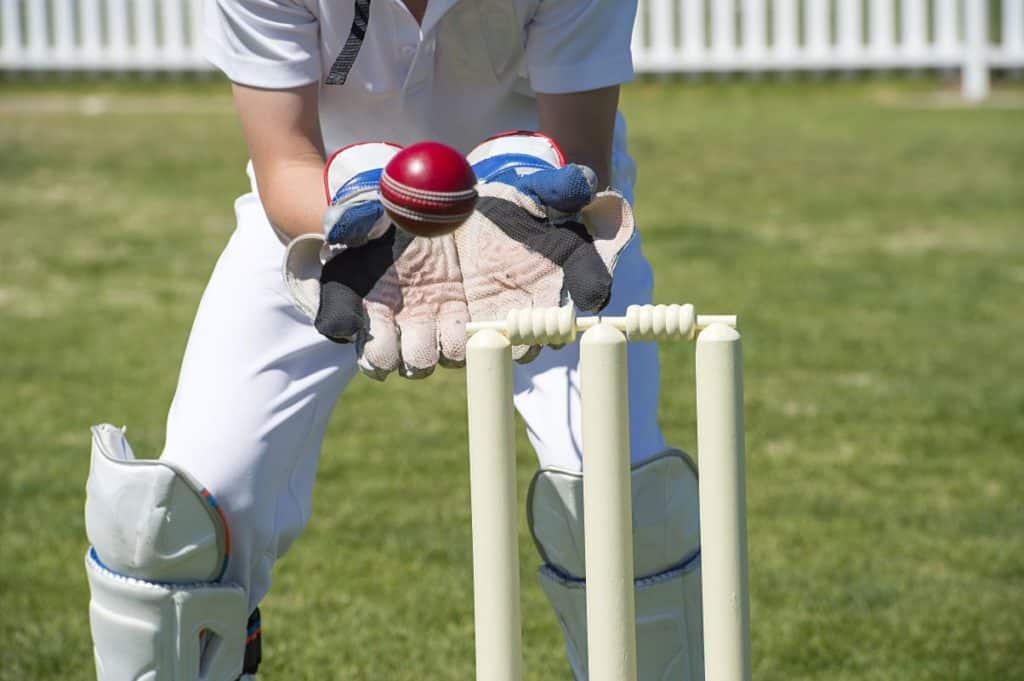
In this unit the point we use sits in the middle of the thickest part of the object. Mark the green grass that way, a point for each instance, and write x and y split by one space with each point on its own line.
870 235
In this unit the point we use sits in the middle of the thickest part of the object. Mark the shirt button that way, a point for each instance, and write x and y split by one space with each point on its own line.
407 51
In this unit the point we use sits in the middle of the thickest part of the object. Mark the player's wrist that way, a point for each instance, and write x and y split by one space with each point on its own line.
355 214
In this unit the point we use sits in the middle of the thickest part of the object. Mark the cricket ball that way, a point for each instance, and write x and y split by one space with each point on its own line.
428 189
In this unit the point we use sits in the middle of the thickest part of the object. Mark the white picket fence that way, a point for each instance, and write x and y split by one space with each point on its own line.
670 36
750 36
101 35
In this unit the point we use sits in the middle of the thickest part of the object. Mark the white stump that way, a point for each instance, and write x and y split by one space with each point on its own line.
607 508
723 524
494 507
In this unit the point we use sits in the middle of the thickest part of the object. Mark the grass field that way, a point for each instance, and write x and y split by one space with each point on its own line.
870 235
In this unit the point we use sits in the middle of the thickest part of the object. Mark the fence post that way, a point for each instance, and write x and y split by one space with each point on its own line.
662 39
723 30
816 27
692 16
10 37
146 48
117 49
785 32
64 33
975 75
1013 28
881 30
38 35
946 24
914 30
195 18
173 33
754 34
851 33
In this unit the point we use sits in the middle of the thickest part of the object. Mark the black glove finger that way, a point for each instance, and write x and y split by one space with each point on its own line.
340 315
587 279
348 278
568 244
554 242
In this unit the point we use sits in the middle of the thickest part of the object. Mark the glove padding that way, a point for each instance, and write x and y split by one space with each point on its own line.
399 298
541 235
540 238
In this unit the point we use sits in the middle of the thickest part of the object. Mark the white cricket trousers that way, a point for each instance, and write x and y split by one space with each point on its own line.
258 385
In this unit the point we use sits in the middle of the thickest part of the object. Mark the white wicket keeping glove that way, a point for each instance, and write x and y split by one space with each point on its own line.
399 298
541 236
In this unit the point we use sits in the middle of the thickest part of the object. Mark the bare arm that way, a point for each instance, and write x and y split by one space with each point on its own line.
582 123
282 129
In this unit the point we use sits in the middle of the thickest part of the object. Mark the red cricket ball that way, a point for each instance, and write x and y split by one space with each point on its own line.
428 189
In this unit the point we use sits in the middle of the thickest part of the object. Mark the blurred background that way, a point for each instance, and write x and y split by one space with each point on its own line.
846 175
670 36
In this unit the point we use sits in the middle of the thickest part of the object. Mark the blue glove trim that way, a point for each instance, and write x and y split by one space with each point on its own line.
353 226
360 182
567 189
503 167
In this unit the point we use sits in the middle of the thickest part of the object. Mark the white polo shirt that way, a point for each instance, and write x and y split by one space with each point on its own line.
470 71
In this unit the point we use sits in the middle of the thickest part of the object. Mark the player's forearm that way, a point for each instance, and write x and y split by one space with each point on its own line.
292 193
598 159
583 124
282 130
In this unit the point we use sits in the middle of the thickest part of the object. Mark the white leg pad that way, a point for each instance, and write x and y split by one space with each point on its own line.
666 557
149 520
144 631
158 610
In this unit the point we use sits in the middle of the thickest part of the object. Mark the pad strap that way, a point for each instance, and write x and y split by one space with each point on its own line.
253 643
669 630
143 631
666 553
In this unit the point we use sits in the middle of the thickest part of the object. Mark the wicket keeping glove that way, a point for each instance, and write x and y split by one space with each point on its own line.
399 298
542 235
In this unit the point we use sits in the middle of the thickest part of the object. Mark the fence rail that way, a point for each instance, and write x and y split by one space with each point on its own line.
101 35
670 36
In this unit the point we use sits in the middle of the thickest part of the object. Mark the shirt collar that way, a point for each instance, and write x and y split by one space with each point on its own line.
436 9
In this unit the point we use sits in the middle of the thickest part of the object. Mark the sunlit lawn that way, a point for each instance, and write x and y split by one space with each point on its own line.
871 236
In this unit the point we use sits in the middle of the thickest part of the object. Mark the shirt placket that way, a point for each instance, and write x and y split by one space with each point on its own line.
414 49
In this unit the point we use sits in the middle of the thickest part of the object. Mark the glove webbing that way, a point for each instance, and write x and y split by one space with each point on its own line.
567 244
